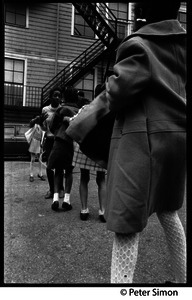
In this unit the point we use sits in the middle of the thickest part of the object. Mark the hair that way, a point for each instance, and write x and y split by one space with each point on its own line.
53 90
70 94
81 93
81 99
156 11
98 89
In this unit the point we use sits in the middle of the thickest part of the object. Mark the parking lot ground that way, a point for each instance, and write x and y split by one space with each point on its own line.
42 246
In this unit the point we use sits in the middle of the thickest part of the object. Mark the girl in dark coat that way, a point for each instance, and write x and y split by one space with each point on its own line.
146 168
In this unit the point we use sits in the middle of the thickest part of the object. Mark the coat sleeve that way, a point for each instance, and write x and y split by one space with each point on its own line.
131 75
32 122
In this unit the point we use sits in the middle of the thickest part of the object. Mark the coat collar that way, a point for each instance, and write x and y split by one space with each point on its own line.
164 28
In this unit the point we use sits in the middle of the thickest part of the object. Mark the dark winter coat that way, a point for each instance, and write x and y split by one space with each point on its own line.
146 168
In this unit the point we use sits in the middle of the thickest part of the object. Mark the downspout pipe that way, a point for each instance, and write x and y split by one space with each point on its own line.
57 40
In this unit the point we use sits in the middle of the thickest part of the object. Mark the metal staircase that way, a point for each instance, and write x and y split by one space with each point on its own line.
100 18
104 24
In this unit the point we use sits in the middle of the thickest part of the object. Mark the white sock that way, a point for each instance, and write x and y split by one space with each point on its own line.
85 211
67 198
101 212
56 197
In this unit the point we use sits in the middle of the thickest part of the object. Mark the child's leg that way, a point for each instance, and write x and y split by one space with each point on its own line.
50 173
40 174
68 184
176 241
57 181
83 188
124 257
83 191
61 189
40 165
50 177
100 179
31 163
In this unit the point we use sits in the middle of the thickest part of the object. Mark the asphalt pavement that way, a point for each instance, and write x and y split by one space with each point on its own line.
44 247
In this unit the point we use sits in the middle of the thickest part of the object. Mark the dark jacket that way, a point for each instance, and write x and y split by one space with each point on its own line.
58 125
146 168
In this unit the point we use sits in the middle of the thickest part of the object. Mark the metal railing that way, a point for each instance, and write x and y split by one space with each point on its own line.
22 95
73 69
109 30
106 31
102 20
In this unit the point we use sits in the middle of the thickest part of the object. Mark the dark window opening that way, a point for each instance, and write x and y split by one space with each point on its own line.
86 84
81 27
121 12
15 14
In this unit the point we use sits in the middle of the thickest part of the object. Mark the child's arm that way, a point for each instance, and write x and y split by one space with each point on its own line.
56 121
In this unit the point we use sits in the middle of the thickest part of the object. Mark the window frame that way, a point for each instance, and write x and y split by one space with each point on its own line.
83 80
84 22
123 22
183 24
14 58
15 24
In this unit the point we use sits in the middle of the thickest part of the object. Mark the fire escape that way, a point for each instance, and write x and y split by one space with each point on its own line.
104 24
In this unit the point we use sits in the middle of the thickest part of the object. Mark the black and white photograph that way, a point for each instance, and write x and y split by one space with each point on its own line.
95 146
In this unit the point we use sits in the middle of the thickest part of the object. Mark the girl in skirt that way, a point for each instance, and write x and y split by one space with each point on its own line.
86 165
35 150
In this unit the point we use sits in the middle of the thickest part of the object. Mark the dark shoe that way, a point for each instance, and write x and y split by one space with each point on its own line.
55 205
31 178
41 177
66 206
84 214
49 195
102 219
101 216
61 194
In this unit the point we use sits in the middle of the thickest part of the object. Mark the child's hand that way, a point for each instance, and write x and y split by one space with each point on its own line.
66 119
43 117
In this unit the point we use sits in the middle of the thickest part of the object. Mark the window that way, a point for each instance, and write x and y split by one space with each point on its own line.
15 14
9 132
15 131
182 19
121 12
86 84
14 81
81 27
182 16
